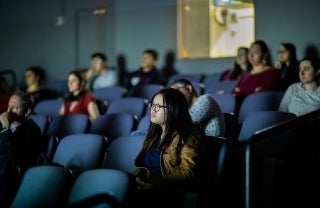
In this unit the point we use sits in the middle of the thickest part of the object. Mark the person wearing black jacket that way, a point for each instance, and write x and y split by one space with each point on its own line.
20 143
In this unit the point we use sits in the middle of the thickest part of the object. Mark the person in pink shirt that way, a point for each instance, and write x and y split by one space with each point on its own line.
262 77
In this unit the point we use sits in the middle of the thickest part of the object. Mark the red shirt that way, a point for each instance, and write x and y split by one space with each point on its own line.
81 106
269 80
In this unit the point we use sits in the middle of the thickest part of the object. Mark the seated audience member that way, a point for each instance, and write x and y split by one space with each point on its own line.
34 76
303 97
288 64
262 77
168 68
99 75
5 94
203 109
170 156
241 65
79 100
148 71
20 142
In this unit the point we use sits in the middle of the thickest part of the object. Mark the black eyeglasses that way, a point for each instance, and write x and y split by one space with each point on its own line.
156 107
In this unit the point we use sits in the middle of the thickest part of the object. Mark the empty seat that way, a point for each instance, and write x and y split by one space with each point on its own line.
109 94
81 152
220 87
146 91
142 126
101 188
226 101
211 78
189 76
59 86
43 186
49 107
261 120
122 153
114 125
64 125
259 101
132 105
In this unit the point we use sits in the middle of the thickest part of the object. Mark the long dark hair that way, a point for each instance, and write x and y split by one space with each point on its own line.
293 54
177 119
237 70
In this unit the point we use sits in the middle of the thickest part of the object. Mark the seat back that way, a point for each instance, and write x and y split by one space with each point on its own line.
260 120
214 159
42 121
113 125
226 101
231 126
81 152
43 186
144 123
49 107
132 105
50 144
259 101
282 166
211 78
211 189
59 86
122 153
220 87
189 76
109 94
145 91
101 188
64 125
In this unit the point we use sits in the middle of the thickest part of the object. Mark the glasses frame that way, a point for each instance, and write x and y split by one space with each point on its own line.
156 107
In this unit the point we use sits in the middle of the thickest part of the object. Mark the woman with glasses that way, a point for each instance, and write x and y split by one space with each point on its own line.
171 152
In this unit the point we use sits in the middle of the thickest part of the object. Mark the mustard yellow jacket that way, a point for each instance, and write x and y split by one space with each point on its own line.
172 166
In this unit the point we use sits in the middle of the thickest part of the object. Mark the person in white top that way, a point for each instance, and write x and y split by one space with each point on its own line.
303 97
99 75
203 109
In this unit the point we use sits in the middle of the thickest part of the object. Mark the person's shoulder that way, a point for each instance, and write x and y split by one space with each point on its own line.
29 127
206 98
296 85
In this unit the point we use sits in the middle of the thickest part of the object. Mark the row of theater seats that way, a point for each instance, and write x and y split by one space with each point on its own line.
257 113
138 107
86 174
60 85
97 172
277 166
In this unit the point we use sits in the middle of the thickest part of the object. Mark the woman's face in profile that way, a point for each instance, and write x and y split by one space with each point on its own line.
30 78
158 108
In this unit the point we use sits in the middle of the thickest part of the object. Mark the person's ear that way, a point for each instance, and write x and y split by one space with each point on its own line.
189 88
